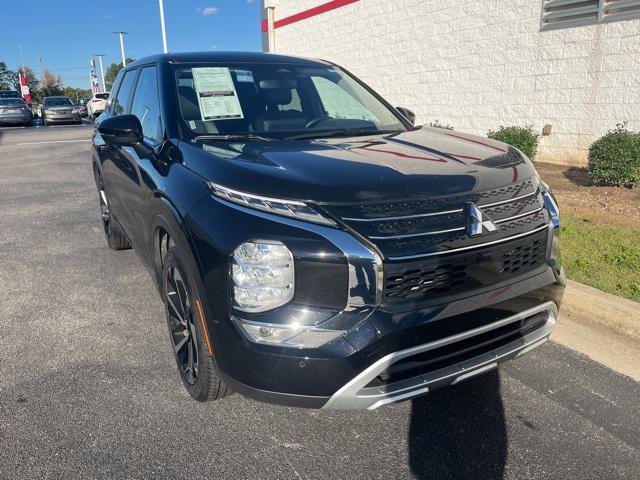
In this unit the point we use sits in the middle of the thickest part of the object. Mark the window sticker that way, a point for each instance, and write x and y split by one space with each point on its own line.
217 94
244 76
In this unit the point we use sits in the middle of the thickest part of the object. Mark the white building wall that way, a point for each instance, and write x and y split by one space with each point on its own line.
479 64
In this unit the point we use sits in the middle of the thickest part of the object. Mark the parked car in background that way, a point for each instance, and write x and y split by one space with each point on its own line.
10 94
59 110
82 109
97 104
311 245
15 111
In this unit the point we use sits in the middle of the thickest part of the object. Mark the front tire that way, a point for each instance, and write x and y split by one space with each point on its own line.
116 239
196 365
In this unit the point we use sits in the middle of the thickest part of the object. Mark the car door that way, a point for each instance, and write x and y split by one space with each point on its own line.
143 161
118 169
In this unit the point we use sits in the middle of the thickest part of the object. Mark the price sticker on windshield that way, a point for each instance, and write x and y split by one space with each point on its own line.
217 94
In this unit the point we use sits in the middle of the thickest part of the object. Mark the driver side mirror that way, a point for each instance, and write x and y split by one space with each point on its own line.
122 130
408 114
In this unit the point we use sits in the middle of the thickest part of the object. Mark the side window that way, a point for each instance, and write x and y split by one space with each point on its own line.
339 103
146 105
121 101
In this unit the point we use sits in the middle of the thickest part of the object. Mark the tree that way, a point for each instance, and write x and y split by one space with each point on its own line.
6 77
76 93
50 84
112 72
32 80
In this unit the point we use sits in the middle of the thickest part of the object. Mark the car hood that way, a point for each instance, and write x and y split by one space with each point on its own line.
420 163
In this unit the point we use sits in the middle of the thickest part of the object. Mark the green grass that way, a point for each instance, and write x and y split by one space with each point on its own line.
606 257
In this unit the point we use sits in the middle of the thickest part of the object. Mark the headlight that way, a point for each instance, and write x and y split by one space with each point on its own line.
75 110
263 276
287 208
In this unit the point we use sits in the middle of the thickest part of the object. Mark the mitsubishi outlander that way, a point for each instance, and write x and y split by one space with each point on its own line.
313 247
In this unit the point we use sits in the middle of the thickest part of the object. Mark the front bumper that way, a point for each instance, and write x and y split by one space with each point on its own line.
63 118
21 119
341 375
356 394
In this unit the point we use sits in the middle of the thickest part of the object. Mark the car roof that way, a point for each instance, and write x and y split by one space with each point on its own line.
228 57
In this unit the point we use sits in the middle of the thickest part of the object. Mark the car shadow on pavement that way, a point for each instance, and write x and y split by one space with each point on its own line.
459 432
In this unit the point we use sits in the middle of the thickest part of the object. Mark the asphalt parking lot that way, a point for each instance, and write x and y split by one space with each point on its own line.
89 387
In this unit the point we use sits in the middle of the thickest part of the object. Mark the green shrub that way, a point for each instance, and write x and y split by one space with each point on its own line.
614 159
437 124
523 138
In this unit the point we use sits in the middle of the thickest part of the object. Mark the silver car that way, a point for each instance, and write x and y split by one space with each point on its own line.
15 111
59 110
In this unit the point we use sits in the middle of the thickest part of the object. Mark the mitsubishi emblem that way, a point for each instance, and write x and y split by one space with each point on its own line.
477 222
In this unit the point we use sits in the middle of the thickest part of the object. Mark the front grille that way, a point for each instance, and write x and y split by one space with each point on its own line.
428 253
431 279
436 226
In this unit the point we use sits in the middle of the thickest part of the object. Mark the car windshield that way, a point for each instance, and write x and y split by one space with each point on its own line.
102 96
9 94
57 102
278 100
11 102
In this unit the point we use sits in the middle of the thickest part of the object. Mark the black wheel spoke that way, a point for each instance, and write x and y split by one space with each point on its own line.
177 312
183 330
181 343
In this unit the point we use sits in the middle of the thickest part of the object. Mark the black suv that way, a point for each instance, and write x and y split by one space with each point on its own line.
311 245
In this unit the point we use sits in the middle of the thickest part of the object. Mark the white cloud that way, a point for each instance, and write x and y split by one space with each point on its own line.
109 17
207 11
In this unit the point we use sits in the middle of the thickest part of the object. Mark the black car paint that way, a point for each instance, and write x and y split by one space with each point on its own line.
164 186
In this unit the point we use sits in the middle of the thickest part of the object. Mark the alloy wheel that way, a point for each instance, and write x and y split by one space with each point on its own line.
181 325
104 212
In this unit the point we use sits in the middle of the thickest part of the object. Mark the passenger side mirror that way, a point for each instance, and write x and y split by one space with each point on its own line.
122 130
408 114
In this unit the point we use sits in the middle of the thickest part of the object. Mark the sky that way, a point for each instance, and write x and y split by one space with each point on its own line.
65 33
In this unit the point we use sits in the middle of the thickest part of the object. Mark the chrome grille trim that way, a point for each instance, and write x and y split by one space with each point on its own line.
471 247
435 214
459 229
413 235
515 217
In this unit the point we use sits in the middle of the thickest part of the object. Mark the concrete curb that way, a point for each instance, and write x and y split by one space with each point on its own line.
587 304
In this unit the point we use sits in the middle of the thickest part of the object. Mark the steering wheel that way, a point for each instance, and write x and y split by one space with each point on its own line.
314 122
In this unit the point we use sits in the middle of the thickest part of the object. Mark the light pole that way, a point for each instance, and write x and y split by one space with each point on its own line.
164 31
122 34
100 55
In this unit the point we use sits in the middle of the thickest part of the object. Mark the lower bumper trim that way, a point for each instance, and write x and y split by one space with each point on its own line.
355 395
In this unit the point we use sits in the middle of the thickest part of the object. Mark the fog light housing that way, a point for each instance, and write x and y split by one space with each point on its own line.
287 335
263 276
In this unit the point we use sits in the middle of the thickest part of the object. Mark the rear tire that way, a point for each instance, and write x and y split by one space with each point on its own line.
196 366
116 239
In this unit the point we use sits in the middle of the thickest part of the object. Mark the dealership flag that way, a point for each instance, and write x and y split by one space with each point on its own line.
95 88
24 88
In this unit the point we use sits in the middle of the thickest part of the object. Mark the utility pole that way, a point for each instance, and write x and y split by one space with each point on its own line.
100 55
24 72
122 34
164 31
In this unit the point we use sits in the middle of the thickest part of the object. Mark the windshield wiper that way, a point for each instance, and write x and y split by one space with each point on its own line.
345 132
232 137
